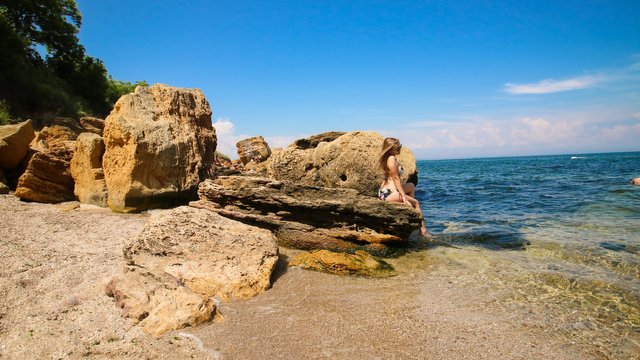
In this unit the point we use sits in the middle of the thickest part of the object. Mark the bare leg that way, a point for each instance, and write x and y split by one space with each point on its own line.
409 189
395 197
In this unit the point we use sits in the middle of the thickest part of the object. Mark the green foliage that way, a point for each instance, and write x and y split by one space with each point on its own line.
117 88
65 81
5 118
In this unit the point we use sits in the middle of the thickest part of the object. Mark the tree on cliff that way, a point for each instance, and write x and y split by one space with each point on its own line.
44 68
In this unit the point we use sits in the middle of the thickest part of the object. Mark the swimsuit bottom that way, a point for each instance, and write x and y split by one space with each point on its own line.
383 193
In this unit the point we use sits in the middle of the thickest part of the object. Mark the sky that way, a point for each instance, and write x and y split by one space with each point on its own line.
450 79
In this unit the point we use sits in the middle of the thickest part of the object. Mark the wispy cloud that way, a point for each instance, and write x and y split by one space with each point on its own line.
549 86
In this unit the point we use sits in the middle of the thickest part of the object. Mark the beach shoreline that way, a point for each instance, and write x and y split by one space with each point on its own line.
58 258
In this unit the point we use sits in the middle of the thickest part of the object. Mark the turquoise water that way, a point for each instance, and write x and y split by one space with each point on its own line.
562 233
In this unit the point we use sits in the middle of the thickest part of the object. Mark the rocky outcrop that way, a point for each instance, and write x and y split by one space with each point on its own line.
349 161
253 149
183 258
47 177
92 125
55 138
159 145
86 170
309 217
360 263
312 142
14 143
635 181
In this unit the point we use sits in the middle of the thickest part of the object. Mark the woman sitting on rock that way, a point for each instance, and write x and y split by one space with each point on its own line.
392 189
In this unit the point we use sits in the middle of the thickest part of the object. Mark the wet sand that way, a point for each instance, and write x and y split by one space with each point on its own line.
57 261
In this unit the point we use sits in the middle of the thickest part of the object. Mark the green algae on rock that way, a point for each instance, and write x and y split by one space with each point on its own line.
360 263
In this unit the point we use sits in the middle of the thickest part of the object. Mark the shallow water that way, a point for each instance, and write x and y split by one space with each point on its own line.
559 236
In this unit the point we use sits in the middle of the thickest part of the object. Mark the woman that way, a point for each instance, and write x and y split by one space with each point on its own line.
392 189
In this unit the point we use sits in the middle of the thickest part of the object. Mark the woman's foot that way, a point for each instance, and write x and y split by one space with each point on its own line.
424 232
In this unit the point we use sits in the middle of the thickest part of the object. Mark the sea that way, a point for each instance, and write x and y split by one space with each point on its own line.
559 234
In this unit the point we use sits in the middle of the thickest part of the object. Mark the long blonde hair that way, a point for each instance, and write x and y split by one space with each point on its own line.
388 145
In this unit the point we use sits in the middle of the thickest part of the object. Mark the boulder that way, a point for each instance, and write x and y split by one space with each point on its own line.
635 181
47 178
349 161
185 256
4 184
311 217
48 121
313 141
92 124
159 145
86 170
55 137
14 143
253 149
360 263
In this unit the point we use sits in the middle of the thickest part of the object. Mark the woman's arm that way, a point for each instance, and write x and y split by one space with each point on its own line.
392 164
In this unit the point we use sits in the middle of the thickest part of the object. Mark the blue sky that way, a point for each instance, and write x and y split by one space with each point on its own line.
451 79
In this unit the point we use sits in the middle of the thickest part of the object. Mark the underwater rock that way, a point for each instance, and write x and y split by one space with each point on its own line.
360 263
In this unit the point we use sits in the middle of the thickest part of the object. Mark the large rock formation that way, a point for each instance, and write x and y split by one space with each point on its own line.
183 258
92 124
360 263
309 217
86 169
337 161
47 177
159 145
14 143
253 149
55 138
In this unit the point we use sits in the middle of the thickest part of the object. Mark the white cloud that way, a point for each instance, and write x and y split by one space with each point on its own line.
552 86
227 139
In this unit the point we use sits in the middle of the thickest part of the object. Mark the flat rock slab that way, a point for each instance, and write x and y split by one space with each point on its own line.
182 259
309 217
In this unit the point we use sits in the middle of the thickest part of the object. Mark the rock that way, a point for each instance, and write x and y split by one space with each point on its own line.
47 121
253 149
635 181
349 161
313 141
4 184
47 178
360 263
55 137
184 257
14 143
159 145
86 170
309 217
92 124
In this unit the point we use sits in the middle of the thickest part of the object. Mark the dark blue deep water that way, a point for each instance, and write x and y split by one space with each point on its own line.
501 203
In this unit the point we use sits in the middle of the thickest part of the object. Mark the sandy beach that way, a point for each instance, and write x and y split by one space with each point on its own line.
58 258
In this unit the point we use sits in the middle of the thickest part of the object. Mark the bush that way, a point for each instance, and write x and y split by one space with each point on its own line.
5 117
